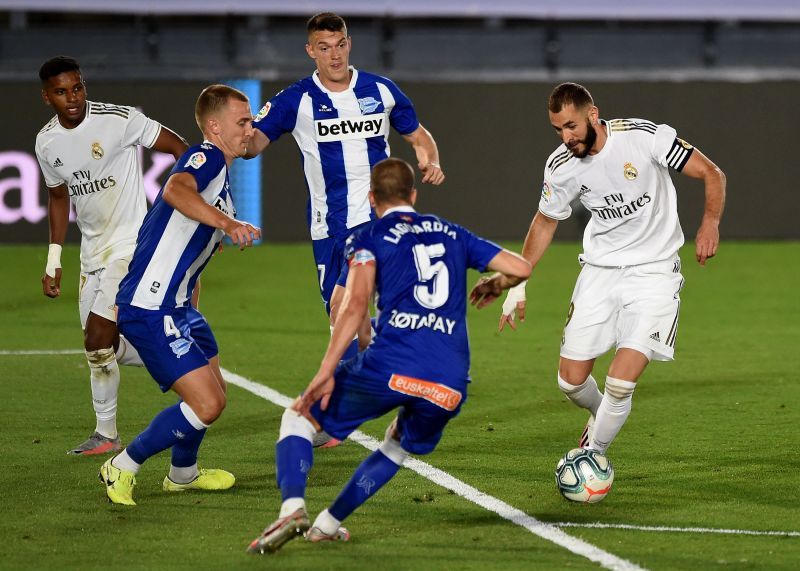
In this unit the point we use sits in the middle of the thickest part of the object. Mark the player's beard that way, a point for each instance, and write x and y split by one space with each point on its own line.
588 142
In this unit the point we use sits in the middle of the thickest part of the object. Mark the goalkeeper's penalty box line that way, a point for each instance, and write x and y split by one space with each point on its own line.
504 510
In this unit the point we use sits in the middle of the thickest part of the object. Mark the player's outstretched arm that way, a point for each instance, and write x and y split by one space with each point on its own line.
169 141
427 153
707 240
58 219
180 192
360 282
540 235
511 270
258 142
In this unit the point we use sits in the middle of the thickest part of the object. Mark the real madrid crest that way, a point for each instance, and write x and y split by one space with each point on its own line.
97 151
630 171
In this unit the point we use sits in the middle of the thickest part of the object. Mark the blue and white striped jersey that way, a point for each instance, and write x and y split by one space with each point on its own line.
341 136
172 250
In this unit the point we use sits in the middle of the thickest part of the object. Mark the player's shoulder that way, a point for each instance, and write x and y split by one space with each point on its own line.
48 129
296 90
366 78
202 156
109 110
560 161
632 127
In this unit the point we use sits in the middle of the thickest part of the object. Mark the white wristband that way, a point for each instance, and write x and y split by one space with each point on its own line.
53 260
514 296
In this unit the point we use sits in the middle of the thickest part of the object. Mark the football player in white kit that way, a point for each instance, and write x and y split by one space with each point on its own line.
627 294
88 155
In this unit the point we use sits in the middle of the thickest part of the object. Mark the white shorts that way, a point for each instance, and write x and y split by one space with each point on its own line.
97 291
634 307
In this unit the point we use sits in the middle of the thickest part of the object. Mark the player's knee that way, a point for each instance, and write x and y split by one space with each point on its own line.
100 359
210 408
570 384
393 451
295 424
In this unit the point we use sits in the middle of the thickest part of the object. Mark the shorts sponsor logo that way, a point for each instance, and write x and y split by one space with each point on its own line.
435 393
197 160
180 346
344 129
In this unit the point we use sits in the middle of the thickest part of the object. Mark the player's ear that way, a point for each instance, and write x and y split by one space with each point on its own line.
310 51
412 198
371 197
45 98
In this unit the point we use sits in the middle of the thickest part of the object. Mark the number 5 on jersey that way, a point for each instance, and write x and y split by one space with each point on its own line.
435 277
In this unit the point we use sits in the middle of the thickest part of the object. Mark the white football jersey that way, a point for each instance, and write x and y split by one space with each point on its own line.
628 190
99 163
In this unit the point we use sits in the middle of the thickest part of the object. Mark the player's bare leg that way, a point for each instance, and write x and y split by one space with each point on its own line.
100 337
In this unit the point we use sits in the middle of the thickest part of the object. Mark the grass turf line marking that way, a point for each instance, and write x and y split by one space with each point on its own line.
601 525
44 352
544 530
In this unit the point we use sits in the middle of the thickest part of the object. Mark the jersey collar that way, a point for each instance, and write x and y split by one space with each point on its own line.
402 208
353 80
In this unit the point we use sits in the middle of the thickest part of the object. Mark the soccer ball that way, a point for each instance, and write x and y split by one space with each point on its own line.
584 475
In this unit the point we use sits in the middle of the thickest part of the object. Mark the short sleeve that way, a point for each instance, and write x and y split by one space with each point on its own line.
51 176
403 116
554 201
140 130
203 162
669 150
277 116
480 252
359 249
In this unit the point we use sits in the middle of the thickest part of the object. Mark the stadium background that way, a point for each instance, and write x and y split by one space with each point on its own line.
725 75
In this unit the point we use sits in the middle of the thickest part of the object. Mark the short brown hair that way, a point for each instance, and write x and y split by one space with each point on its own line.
392 181
326 21
569 94
212 99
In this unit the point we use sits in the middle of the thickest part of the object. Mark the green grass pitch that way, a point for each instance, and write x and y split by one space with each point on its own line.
711 442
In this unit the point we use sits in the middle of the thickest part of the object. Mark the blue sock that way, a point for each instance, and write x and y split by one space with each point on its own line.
294 457
184 452
168 427
368 478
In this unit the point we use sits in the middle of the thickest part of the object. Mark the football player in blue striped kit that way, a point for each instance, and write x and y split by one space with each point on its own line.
418 362
340 118
189 218
627 296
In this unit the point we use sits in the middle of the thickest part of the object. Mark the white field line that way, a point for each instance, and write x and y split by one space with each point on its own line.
512 514
44 352
663 528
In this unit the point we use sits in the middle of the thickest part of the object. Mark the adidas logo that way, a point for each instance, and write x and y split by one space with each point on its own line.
584 190
656 337
57 163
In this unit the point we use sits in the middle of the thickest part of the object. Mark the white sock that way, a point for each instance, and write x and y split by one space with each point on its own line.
125 462
326 523
183 475
612 414
127 354
585 395
291 505
104 378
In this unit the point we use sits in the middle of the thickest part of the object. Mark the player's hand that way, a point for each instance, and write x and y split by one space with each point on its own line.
243 234
431 173
706 242
485 291
319 389
514 303
51 285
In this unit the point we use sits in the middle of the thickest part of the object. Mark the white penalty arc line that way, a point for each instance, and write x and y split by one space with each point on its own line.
442 478
663 528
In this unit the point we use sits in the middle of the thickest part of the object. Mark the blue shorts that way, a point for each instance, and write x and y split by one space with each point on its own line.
358 397
171 342
329 257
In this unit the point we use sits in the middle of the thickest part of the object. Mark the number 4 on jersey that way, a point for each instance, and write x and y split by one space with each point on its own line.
170 330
